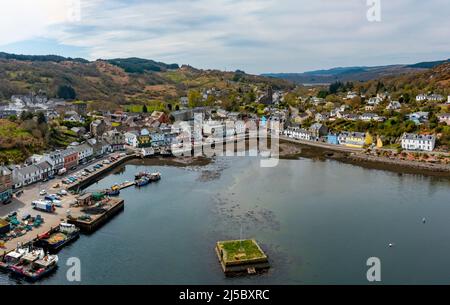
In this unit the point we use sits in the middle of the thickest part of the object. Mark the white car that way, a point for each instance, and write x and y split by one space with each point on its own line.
43 192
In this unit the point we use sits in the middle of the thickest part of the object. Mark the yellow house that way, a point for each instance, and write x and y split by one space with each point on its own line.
355 139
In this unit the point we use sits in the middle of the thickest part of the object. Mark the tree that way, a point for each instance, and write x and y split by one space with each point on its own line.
194 98
41 118
144 109
66 92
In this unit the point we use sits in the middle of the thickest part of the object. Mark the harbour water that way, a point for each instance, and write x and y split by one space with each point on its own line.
319 222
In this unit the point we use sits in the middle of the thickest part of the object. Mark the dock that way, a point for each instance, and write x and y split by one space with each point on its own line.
98 216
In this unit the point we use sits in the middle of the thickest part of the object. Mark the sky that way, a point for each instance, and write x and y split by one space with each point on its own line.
256 36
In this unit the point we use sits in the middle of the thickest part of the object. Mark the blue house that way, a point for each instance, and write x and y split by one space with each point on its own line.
332 139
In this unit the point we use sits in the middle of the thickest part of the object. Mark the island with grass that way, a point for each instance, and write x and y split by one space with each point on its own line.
241 256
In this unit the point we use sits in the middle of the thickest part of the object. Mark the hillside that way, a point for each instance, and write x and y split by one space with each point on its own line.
353 74
435 80
120 81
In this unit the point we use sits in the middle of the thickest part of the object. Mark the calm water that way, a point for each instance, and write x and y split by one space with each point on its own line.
319 221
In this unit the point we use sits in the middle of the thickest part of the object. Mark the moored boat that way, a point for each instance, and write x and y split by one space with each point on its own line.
26 261
56 240
142 182
155 177
40 268
140 175
12 258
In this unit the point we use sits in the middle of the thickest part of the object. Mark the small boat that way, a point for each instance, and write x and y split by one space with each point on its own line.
12 258
56 240
140 175
155 177
142 182
112 192
40 267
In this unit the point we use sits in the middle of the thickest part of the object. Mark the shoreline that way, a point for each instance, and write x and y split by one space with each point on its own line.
358 158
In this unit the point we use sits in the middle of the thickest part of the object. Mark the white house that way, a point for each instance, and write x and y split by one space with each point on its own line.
418 142
26 175
374 101
85 152
147 152
421 97
298 133
131 139
394 105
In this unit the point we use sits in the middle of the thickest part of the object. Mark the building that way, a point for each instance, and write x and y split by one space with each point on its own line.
26 175
394 105
85 152
70 158
418 117
147 152
354 139
144 138
115 139
99 147
333 139
6 184
98 128
412 141
131 138
421 97
56 161
368 117
444 118
318 130
160 117
46 170
158 139
298 133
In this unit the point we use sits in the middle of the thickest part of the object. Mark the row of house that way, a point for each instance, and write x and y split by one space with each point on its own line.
418 142
46 166
5 184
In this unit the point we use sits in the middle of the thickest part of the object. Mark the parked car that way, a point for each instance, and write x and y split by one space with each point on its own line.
26 217
43 192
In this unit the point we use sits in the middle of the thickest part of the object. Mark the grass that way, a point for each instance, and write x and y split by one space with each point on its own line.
10 129
151 106
240 250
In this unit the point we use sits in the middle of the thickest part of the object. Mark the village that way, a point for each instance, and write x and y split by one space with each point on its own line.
158 132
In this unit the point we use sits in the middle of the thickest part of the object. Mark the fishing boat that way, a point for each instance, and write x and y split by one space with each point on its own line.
155 177
12 258
140 175
56 240
41 267
26 261
142 182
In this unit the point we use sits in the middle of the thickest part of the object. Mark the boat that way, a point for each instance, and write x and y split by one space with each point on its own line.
12 258
140 175
114 191
155 177
142 182
41 267
56 240
26 261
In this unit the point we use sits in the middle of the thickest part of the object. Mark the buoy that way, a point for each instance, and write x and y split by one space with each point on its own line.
424 220
391 245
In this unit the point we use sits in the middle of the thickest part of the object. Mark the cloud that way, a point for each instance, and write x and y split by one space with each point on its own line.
254 35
